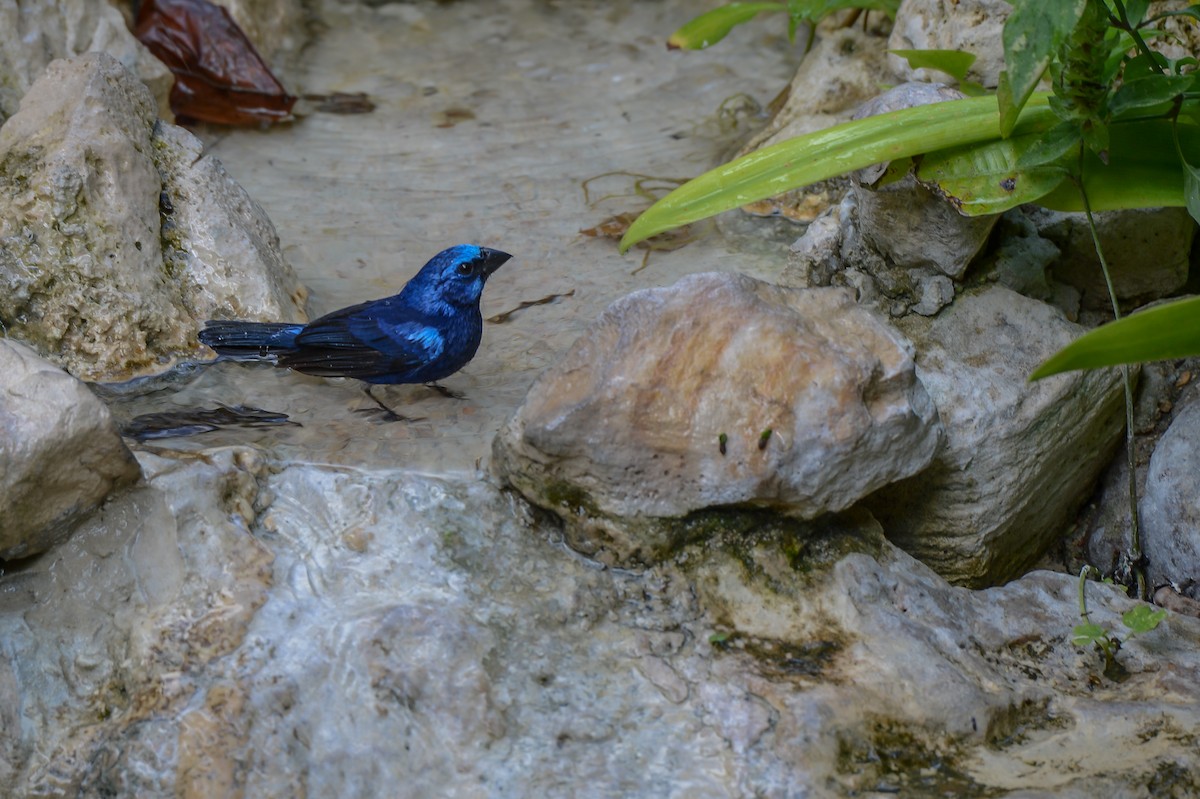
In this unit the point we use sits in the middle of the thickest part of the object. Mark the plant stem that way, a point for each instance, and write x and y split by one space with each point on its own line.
1135 543
1143 48
1083 575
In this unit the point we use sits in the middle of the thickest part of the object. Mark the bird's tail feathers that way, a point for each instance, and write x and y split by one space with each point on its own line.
249 339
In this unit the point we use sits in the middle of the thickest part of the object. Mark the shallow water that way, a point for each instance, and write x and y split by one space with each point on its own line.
489 117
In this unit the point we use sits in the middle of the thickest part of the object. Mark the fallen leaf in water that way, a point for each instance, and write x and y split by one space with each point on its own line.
452 116
219 76
342 103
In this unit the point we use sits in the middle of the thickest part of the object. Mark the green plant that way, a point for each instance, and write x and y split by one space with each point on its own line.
1139 620
1121 129
713 26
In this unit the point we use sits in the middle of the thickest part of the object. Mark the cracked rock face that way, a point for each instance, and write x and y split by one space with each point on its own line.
720 390
118 237
1020 457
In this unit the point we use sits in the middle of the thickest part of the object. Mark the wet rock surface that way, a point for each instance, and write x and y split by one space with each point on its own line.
118 238
60 453
718 391
293 631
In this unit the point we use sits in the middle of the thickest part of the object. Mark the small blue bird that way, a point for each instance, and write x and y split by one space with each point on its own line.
428 331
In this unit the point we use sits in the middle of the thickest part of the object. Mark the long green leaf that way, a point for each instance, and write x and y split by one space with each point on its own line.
1144 169
710 28
954 63
1159 333
985 178
834 151
1143 172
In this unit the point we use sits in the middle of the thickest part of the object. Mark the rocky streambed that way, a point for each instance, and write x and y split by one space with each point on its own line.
664 547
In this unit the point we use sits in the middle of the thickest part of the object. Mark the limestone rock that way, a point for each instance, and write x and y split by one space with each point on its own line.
228 628
34 34
60 453
1170 510
899 246
975 26
1148 252
278 28
1020 457
844 69
117 238
906 223
718 391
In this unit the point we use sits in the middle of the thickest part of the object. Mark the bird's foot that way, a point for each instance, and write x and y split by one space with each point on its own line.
446 392
383 413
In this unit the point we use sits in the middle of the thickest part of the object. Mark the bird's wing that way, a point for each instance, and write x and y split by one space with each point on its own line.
346 345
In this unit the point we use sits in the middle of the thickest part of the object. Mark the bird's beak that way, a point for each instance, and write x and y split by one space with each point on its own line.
492 260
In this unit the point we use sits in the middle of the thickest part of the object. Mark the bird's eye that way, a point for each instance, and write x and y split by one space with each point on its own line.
466 268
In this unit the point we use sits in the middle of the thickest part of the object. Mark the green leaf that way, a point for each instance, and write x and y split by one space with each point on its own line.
985 179
1191 189
1050 146
1142 619
830 152
1190 11
1148 92
1165 331
1143 169
1033 32
1087 634
813 10
710 28
1135 11
1145 66
954 63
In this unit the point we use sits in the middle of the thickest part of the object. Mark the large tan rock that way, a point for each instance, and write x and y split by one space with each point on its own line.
720 390
60 453
118 236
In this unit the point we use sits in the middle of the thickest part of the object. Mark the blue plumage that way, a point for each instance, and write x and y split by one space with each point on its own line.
428 331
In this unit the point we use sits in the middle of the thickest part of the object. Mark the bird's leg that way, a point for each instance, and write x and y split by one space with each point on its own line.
384 413
446 392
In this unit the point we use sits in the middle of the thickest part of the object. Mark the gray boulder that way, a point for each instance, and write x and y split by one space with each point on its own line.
1148 252
1170 510
34 34
1020 457
60 453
